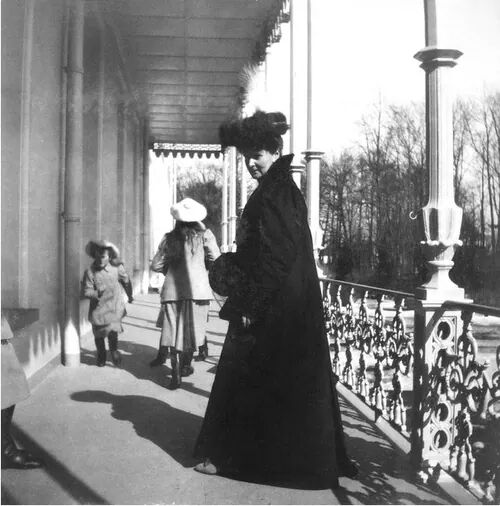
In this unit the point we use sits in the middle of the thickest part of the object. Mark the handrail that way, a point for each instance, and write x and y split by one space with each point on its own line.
397 293
475 308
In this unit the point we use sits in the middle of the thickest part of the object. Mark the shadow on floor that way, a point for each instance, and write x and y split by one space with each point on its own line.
55 469
220 334
173 430
385 475
135 360
189 387
147 320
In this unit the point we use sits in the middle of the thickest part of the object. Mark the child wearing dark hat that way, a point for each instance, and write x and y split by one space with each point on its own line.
103 283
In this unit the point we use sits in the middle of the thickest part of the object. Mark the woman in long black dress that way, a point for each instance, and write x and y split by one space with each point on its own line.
273 412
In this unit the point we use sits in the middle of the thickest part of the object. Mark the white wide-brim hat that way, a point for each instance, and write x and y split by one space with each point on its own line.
188 210
93 246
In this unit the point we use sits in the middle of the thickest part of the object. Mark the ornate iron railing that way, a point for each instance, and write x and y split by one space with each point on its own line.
370 352
472 388
449 402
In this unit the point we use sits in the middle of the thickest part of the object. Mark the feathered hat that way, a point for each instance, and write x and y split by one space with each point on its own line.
261 130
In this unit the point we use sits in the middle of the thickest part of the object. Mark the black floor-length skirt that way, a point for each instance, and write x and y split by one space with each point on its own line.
273 412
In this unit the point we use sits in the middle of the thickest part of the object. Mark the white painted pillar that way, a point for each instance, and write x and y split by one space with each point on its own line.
146 217
313 162
298 85
138 182
174 179
312 156
441 217
120 177
73 188
243 183
232 198
224 220
100 128
24 173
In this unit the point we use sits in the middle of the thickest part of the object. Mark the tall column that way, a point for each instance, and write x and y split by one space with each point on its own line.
436 329
232 198
243 183
312 156
24 173
441 217
298 84
174 180
313 162
224 222
138 182
121 168
73 187
146 218
101 112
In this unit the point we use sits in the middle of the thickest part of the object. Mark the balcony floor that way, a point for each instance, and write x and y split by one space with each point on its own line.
118 436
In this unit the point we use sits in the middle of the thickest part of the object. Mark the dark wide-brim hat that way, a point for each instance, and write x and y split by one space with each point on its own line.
94 246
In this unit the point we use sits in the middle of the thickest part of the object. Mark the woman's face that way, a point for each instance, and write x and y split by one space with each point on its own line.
258 161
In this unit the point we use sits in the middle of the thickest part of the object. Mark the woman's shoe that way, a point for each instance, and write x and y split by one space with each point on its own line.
14 458
206 467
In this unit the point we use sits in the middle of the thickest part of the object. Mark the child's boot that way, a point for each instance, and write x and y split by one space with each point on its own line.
175 382
186 367
202 352
113 348
101 351
161 358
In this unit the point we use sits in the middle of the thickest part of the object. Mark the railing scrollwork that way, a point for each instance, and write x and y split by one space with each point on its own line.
434 387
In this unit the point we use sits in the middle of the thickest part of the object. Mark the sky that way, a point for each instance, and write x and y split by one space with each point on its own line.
364 53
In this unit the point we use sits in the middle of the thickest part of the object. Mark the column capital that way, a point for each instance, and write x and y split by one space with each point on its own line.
311 154
297 168
433 57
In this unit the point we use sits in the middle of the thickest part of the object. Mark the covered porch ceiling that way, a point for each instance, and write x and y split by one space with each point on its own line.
183 59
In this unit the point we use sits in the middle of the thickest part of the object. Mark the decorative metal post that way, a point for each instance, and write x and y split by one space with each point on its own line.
73 188
436 330
224 222
232 198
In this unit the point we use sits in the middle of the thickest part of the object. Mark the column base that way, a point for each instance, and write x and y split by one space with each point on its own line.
431 294
71 360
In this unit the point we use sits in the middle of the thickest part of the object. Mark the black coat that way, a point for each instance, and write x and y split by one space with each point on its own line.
273 409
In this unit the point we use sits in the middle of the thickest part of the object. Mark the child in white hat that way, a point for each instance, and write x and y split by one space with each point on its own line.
183 256
103 283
